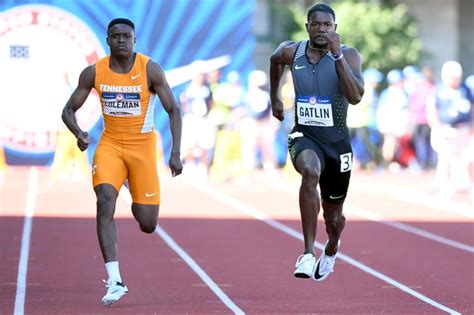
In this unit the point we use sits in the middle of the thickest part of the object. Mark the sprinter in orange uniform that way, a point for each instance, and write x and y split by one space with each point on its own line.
127 83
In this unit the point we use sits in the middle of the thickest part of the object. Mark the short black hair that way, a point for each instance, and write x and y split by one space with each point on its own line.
121 21
321 7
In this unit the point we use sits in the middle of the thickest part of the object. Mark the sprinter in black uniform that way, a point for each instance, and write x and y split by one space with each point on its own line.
327 77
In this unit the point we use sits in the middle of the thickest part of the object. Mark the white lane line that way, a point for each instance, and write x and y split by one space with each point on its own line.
427 201
434 202
199 271
25 241
125 194
242 207
397 225
411 229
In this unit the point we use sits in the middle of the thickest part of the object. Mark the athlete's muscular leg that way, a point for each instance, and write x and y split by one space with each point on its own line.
106 229
146 216
335 222
309 166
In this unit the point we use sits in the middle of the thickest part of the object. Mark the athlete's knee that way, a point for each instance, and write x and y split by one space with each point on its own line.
148 227
335 222
105 206
146 216
310 175
106 198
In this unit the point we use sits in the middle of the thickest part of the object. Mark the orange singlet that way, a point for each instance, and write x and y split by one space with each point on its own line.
127 147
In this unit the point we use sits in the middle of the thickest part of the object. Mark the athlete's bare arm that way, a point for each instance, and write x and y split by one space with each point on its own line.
350 75
77 99
283 56
348 68
159 85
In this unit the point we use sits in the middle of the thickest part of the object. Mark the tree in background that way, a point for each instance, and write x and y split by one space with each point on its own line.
384 33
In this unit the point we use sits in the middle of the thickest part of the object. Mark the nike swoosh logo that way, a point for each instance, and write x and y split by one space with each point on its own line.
150 195
136 76
297 67
316 272
337 197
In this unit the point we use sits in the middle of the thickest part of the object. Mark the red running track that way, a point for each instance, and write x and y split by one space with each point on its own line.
232 249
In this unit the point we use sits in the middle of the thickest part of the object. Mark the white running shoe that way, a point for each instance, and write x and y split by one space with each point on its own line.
305 265
114 292
325 264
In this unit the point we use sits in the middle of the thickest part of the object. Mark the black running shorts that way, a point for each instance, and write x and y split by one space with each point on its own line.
336 164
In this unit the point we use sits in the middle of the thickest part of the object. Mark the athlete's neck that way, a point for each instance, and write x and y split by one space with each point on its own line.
317 48
121 64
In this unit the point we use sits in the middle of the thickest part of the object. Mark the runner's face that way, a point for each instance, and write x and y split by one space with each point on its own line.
319 24
121 39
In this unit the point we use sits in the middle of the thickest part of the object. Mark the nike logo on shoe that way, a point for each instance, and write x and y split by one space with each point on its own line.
115 291
316 272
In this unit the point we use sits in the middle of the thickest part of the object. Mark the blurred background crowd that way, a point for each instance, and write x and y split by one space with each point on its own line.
416 115
406 121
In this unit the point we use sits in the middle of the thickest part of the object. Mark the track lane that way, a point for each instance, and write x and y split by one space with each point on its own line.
215 235
12 209
65 266
312 307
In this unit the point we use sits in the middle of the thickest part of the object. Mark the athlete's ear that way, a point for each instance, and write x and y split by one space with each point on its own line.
107 41
335 27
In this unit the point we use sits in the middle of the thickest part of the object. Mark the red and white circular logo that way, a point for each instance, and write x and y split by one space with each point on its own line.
43 49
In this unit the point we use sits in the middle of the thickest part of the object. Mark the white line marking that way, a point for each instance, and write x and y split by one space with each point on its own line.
434 202
25 242
199 271
125 194
424 200
242 207
411 229
397 225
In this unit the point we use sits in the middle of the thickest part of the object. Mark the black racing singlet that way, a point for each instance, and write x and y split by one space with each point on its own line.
320 107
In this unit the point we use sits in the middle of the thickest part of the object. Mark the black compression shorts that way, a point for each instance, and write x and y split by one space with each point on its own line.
336 164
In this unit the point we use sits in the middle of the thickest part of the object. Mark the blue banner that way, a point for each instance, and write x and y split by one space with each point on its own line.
44 45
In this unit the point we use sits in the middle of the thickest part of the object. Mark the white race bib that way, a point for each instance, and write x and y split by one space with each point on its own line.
314 111
121 104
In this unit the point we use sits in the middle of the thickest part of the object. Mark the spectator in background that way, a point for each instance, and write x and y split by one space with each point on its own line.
199 134
451 122
366 146
226 98
421 131
470 85
3 164
287 92
225 115
258 130
393 117
412 78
